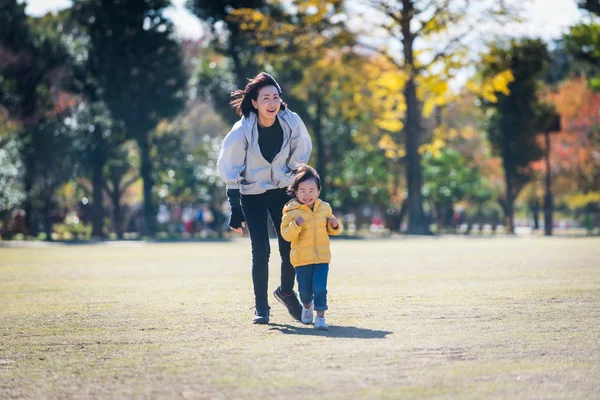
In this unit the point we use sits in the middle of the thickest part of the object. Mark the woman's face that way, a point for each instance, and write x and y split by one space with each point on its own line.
308 192
267 103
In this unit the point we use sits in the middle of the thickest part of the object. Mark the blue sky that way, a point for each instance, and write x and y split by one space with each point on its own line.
544 18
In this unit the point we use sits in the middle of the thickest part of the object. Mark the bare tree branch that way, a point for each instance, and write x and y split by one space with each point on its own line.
128 183
444 52
384 54
107 189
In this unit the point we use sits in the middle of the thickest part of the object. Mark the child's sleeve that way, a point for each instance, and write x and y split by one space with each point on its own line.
330 230
289 229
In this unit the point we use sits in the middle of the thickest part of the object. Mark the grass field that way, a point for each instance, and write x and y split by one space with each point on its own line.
502 318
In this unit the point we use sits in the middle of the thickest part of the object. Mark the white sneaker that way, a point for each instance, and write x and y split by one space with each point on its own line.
307 314
320 324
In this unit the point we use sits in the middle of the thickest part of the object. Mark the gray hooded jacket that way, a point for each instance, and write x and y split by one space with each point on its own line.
242 166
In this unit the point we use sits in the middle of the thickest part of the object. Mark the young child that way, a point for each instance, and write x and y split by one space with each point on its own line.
307 223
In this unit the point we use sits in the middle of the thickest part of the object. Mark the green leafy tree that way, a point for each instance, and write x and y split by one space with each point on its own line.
583 42
138 67
592 6
302 43
518 116
449 179
120 171
231 57
11 190
98 139
564 64
33 77
235 44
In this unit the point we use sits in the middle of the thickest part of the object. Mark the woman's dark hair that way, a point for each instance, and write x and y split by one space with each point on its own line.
241 100
303 173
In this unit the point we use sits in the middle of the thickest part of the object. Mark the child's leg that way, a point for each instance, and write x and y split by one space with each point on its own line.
305 286
319 286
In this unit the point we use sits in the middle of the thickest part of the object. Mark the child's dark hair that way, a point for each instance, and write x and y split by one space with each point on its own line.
241 99
303 173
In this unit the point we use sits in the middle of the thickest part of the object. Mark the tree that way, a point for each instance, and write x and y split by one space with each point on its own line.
304 43
33 78
120 175
11 190
583 42
448 180
446 27
235 44
592 6
519 116
138 67
459 148
98 140
564 64
575 161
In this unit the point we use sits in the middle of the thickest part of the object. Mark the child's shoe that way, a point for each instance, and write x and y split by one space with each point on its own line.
307 314
320 324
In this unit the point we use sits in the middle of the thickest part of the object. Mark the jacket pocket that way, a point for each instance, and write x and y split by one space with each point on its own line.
282 178
247 187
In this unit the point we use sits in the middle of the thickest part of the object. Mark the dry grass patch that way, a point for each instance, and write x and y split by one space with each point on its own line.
409 318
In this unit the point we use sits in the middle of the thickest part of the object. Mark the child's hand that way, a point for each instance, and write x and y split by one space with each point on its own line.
334 222
299 221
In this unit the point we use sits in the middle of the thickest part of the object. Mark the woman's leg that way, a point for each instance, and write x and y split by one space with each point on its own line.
278 199
255 211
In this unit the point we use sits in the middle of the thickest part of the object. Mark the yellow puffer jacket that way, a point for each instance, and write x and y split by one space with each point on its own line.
310 242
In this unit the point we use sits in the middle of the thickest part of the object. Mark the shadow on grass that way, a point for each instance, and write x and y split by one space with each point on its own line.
352 332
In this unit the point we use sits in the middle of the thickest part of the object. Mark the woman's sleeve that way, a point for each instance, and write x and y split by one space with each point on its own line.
232 158
301 145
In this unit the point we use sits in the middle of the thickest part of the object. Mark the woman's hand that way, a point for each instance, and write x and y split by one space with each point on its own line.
236 221
239 230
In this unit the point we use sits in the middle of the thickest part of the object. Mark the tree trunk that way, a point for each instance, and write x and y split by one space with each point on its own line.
233 52
98 186
48 218
27 205
318 133
146 175
508 179
116 200
29 178
417 225
548 201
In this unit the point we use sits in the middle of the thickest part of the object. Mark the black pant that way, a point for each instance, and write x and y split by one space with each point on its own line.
255 208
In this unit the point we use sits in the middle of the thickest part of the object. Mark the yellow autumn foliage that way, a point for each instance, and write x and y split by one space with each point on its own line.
581 200
487 88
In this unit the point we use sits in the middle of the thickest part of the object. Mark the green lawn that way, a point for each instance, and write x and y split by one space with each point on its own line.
501 318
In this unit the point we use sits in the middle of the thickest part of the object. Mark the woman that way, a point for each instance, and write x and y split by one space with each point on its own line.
257 160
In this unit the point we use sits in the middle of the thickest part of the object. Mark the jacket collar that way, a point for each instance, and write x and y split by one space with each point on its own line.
296 204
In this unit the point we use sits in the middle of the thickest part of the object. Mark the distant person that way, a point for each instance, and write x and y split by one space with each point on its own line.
257 160
307 223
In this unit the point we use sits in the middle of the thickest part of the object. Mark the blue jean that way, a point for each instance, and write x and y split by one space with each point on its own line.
312 284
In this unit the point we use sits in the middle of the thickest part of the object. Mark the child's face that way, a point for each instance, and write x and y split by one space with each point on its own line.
308 192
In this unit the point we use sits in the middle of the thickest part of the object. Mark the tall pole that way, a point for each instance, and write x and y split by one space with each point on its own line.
548 203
